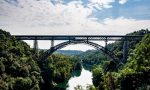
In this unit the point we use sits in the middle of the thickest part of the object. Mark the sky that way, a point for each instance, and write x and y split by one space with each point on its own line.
73 17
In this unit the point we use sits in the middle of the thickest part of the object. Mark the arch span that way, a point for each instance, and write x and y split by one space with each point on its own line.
64 44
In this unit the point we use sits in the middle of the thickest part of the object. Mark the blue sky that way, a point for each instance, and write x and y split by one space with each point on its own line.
74 17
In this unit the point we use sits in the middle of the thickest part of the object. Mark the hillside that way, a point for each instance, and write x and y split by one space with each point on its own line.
94 57
21 70
18 67
69 52
66 52
134 75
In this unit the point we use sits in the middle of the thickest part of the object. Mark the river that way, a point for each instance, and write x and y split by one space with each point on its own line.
84 79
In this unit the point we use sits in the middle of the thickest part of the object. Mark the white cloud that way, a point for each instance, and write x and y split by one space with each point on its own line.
123 26
122 1
43 17
101 3
35 13
120 26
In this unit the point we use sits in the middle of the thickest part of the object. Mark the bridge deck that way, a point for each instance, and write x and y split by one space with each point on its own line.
78 37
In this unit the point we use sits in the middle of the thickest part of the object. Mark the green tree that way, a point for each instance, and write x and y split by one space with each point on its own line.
138 65
17 66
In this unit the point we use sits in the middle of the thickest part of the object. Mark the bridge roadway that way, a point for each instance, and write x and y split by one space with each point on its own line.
79 37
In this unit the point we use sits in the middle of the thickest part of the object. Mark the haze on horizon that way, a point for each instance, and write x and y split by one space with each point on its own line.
73 17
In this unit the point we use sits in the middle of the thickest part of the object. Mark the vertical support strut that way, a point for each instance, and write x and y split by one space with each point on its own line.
87 39
125 50
106 48
106 44
52 43
35 48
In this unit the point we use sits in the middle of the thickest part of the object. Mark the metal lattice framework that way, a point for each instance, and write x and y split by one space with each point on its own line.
86 39
78 37
95 45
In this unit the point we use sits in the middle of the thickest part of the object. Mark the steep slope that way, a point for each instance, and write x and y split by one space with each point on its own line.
94 57
18 69
134 75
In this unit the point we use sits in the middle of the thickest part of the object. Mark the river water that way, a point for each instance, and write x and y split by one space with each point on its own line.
84 79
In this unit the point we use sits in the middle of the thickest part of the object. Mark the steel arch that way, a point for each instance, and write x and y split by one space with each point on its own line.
46 54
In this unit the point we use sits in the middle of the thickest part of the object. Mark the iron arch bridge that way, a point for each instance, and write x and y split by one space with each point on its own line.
95 45
77 39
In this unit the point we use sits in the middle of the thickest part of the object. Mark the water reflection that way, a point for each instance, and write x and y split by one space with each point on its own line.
83 79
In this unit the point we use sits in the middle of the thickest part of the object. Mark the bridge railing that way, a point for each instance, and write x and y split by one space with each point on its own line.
78 37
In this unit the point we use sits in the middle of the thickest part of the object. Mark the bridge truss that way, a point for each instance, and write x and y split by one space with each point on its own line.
87 39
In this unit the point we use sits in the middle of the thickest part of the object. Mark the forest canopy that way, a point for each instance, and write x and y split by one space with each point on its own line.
20 68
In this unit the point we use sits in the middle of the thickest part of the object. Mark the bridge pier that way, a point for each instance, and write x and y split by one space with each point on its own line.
52 43
106 40
125 51
106 44
35 48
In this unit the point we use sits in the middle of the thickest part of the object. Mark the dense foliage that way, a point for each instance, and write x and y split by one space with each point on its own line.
92 57
137 70
117 46
18 70
21 70
58 69
135 74
95 57
69 52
